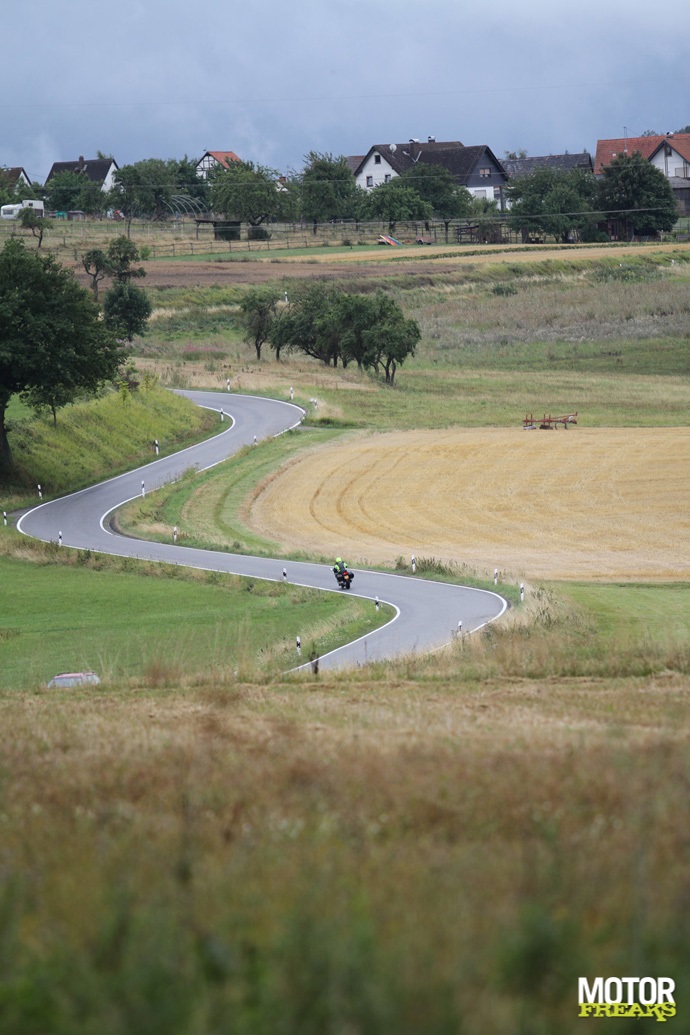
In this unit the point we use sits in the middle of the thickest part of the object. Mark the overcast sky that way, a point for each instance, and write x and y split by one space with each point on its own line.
272 80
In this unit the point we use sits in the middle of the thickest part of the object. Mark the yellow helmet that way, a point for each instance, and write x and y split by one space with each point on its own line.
338 560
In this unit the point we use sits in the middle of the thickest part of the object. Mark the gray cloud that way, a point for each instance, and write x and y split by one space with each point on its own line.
272 82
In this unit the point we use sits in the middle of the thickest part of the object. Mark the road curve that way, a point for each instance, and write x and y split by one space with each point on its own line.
427 613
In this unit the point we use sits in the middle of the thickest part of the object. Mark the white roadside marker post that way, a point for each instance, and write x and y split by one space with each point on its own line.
495 576
143 489
156 446
414 565
222 415
298 644
40 493
174 533
522 592
292 393
284 574
4 518
59 538
377 604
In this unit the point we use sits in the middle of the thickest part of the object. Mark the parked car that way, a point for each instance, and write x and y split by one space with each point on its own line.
74 679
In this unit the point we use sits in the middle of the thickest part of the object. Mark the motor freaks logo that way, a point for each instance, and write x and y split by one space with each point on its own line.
627 997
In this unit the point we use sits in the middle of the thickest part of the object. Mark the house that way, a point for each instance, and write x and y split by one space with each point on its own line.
98 170
12 178
214 160
475 168
516 167
669 153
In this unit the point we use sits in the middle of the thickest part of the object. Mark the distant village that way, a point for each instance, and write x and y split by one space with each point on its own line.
98 187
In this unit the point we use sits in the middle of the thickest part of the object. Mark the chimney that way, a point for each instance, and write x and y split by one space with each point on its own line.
414 151
431 140
81 161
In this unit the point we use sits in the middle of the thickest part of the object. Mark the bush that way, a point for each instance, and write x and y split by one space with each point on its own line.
258 233
504 289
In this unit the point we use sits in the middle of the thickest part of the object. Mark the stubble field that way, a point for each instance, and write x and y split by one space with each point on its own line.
589 503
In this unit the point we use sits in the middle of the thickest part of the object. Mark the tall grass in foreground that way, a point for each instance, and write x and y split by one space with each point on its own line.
338 856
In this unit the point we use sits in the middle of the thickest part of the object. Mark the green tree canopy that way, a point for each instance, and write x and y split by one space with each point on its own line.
328 189
244 191
64 190
53 344
331 325
560 203
396 202
122 252
436 185
96 266
637 194
30 219
126 310
258 308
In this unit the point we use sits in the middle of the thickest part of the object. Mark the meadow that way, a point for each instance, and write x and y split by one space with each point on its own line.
435 845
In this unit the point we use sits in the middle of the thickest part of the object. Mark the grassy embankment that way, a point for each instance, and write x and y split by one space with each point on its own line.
65 610
436 846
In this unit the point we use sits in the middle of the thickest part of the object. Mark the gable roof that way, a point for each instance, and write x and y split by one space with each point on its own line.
401 156
354 162
515 167
460 161
680 144
12 176
607 150
96 169
222 157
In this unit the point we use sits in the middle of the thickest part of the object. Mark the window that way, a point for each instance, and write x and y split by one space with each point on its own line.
485 174
370 181
377 159
387 178
480 194
497 193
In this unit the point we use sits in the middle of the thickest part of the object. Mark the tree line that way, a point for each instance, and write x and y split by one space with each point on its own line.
332 326
565 204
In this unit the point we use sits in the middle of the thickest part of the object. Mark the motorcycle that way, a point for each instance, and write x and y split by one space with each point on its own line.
344 578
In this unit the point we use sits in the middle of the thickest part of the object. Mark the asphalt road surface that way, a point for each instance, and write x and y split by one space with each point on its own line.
427 615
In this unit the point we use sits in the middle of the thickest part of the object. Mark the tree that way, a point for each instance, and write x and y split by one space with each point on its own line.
395 201
435 184
126 310
331 325
246 192
29 219
395 337
258 308
637 194
308 324
327 188
97 266
53 344
122 252
64 189
561 203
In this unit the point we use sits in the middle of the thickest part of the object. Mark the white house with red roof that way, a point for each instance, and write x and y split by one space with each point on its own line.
669 152
215 160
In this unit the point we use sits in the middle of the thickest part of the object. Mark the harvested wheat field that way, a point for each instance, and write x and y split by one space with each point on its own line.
596 504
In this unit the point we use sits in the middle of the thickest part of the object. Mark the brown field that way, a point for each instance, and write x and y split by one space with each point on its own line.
602 503
271 265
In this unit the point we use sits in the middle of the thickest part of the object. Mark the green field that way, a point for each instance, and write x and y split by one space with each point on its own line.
437 845
157 623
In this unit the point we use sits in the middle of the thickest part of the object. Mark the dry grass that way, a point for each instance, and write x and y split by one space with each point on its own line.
427 848
600 504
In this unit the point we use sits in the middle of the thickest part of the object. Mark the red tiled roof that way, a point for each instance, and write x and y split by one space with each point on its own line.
607 150
224 156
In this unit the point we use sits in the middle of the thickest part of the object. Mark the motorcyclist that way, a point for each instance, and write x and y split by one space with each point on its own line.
339 567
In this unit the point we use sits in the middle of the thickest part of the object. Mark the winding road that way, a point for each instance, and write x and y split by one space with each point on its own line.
427 613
